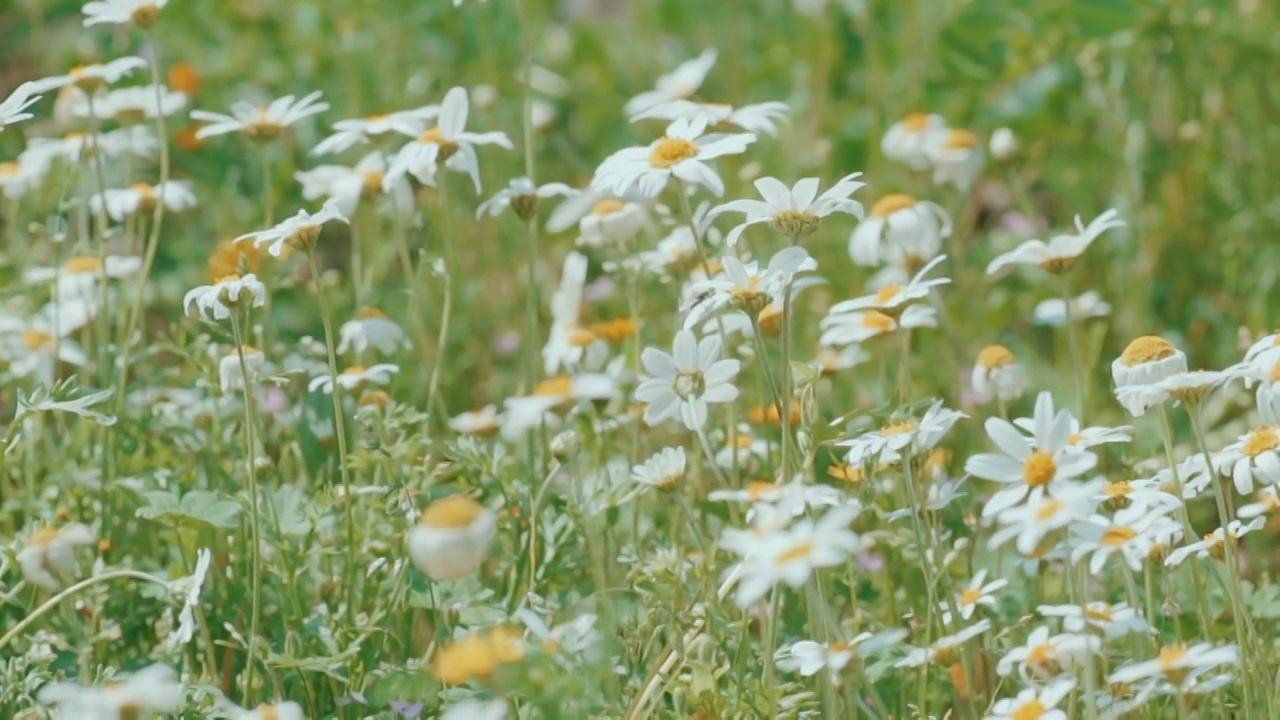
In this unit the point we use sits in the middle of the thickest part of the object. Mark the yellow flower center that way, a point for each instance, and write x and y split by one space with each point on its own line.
614 331
1040 655
742 441
897 428
848 473
669 151
369 312
1100 613
1074 439
916 121
144 16
994 356
1032 710
455 511
43 536
477 655
1145 349
268 712
795 552
8 168
558 386
1273 376
1264 439
878 321
770 320
82 264
890 204
35 340
581 337
960 140
757 489
354 371
1117 536
1116 490
372 184
1038 469
886 293
970 596
1048 509
607 206
1169 660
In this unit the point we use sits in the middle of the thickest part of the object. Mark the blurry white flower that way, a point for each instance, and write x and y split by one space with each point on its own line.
746 286
357 131
217 301
91 77
909 139
142 13
759 118
17 178
1132 532
34 346
1044 656
793 212
371 328
12 108
49 557
893 300
522 196
790 556
900 230
1053 312
231 375
976 592
1113 620
1181 664
1003 145
944 646
956 158
448 142
354 377
484 421
1037 702
681 152
997 375
662 471
81 269
259 122
678 84
685 381
1044 511
189 587
288 710
1213 543
853 328
349 185
130 105
79 146
298 232
475 709
141 198
452 537
527 412
153 689
566 311
1062 251
911 436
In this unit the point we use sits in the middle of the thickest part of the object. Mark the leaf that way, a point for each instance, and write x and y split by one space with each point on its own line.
198 508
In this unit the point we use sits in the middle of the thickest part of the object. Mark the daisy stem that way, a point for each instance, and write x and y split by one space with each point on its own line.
340 428
532 302
531 305
268 199
1166 432
442 337
770 639
255 540
54 601
1078 584
1073 343
784 412
904 353
411 279
533 523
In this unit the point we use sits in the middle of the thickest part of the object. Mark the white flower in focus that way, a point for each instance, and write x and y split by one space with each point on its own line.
49 557
1053 312
357 131
452 537
943 647
260 122
678 84
1253 458
759 118
956 157
1148 359
685 381
908 140
142 198
662 471
1043 657
371 328
142 13
794 212
790 556
977 592
153 689
448 142
893 300
12 108
354 377
91 77
997 375
1062 251
522 196
682 152
298 232
217 301
746 286
349 185
900 230
1035 702
231 374
1180 664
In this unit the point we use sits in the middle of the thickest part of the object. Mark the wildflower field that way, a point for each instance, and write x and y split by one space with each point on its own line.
639 359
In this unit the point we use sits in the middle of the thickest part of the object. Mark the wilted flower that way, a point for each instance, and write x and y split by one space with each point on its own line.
258 122
452 537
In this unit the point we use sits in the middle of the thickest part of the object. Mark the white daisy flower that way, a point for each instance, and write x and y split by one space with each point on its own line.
1003 145
662 471
347 186
288 710
34 347
189 589
914 436
1181 664
790 556
1132 533
899 230
78 147
1062 251
1253 457
1024 466
1183 387
131 105
231 375
682 152
448 142
759 118
997 375
357 131
561 348
794 212
217 301
808 657
1213 543
908 140
684 382
260 122
153 689
522 196
452 537
1035 702
142 198
680 83
1044 656
49 557
299 232
529 411
371 328
17 178
354 377
1044 511
1053 312
943 647
832 360
747 448
482 422
1114 621
746 286
855 328
956 157
12 108
1146 360
475 709
893 300
976 592
142 13
90 77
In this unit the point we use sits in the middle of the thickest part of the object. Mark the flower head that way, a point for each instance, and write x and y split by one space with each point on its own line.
910 139
901 230
452 537
260 122
49 559
682 383
142 13
301 231
12 108
217 301
682 152
1062 251
448 142
680 83
794 212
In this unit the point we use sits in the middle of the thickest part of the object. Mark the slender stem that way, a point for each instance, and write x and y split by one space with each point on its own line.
533 523
268 198
1082 387
1166 432
904 355
255 538
531 305
54 601
532 302
450 266
1078 584
784 413
770 639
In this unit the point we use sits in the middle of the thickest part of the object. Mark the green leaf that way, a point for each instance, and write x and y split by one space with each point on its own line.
199 508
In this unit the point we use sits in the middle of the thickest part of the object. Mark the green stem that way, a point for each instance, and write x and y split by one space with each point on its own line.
1082 386
54 601
255 538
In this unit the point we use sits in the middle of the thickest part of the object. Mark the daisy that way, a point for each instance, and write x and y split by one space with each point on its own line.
685 381
257 122
231 376
566 312
1024 467
893 300
1181 664
1003 145
272 711
347 186
1132 532
1254 456
759 118
298 232
680 83
1043 512
21 177
1146 360
745 285
1043 657
12 108
79 147
90 77
529 411
142 198
1034 702
475 709
808 657
1062 251
1213 543
956 158
131 105
189 589
914 436
1053 312
357 131
662 471
482 422
743 448
901 230
1267 502
49 557
371 328
944 649
794 212
35 346
909 139
143 13
611 221
522 196
854 328
448 142
790 556
997 375
681 152
1184 387
153 689
354 377
974 594
452 537
217 301
1113 620
1084 438
831 361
